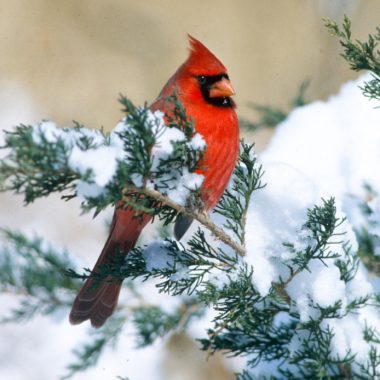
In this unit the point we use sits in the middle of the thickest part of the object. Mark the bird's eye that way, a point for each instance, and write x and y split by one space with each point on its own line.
202 79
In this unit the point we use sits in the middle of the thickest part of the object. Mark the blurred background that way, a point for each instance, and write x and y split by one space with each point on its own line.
73 58
69 60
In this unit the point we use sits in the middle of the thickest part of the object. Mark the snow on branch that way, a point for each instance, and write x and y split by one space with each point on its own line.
360 55
95 166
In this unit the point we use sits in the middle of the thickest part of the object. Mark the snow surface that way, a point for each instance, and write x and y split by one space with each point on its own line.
157 256
276 216
323 149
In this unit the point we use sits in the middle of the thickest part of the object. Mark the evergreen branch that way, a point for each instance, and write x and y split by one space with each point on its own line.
179 117
245 323
182 270
371 369
43 159
367 235
321 224
201 217
235 201
191 267
35 169
153 322
359 55
34 272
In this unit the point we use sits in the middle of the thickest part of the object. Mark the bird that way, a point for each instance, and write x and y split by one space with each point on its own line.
203 87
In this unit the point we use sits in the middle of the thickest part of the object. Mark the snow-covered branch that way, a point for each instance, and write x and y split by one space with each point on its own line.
201 217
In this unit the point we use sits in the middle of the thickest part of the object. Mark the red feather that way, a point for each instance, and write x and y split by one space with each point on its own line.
220 129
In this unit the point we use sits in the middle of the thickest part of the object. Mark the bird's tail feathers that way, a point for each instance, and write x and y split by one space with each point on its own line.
98 296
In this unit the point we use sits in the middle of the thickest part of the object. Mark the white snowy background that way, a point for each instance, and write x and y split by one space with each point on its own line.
323 149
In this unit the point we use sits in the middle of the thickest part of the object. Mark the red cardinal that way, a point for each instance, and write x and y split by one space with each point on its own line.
203 87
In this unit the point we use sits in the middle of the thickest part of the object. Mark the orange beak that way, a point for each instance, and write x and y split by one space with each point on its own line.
221 89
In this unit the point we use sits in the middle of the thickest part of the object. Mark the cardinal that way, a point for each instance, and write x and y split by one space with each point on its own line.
203 87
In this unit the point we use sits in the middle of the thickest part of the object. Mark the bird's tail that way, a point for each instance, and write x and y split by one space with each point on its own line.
97 299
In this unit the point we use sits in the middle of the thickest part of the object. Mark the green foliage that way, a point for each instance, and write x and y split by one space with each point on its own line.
184 157
34 272
234 203
360 55
138 139
37 162
270 117
322 224
368 239
152 322
367 244
250 324
35 169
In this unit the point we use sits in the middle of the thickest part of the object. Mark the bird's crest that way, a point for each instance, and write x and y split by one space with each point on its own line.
201 59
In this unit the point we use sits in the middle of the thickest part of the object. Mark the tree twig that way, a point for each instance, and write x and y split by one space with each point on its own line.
201 217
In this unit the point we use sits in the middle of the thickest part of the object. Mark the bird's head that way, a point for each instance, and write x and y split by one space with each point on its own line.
204 78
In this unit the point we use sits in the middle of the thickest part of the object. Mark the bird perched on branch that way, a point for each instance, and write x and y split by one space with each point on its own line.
203 87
